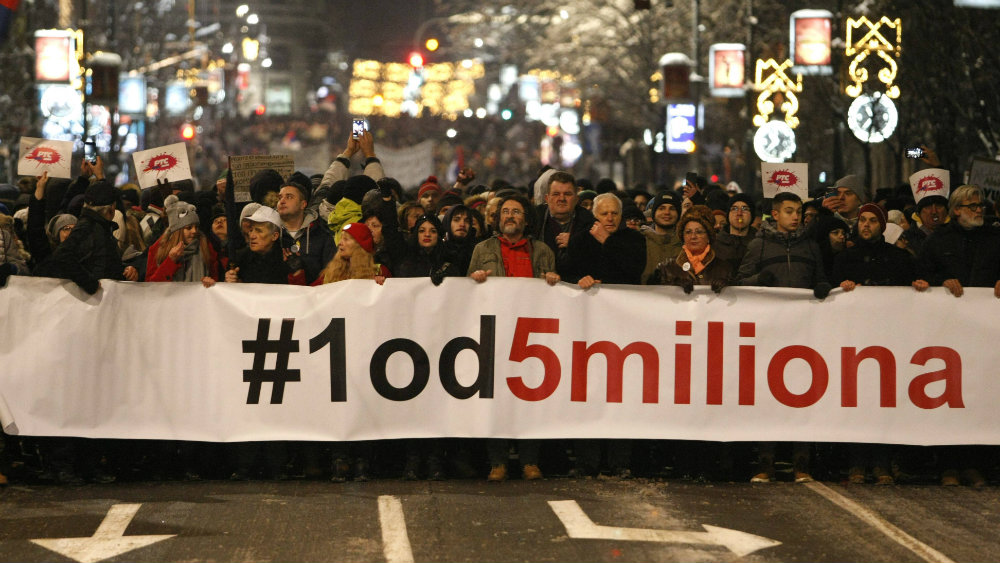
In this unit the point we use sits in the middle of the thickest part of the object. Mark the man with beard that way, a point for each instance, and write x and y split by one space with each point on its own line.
964 252
561 218
662 242
872 261
512 253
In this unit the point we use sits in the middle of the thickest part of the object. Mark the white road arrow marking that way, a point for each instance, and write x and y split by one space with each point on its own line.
579 525
108 541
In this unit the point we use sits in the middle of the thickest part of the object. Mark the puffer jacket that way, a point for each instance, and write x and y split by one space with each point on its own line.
89 254
793 258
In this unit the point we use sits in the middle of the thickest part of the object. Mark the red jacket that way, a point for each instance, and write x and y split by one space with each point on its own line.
165 271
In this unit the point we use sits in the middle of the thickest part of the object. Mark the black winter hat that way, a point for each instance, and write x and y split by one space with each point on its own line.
336 192
100 192
664 197
264 182
747 200
357 186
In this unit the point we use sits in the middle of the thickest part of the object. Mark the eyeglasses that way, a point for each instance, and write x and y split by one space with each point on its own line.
697 233
511 212
973 206
738 209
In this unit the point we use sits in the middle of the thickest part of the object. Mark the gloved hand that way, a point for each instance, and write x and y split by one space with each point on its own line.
295 263
766 278
687 284
821 290
437 276
6 270
718 285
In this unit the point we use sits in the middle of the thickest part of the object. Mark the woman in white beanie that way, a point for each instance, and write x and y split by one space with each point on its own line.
182 253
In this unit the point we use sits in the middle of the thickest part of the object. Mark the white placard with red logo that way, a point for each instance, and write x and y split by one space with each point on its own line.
45 155
169 163
932 181
785 177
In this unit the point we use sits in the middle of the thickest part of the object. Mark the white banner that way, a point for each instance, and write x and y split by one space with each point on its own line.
507 358
411 165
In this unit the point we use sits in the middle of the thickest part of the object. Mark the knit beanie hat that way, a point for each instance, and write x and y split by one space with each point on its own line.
57 223
877 211
180 215
361 233
430 184
853 183
664 197
742 197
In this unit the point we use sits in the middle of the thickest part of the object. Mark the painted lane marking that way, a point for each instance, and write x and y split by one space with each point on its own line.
922 550
580 526
395 542
108 541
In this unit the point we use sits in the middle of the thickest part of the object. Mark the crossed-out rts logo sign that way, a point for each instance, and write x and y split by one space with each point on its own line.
929 184
161 163
784 178
43 155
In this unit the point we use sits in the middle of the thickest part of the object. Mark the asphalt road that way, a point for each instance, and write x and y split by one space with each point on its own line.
469 520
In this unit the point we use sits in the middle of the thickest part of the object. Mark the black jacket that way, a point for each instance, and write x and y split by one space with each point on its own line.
970 256
89 254
262 268
621 259
548 228
874 262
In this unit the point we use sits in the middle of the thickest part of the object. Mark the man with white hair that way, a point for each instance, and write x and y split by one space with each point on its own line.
964 252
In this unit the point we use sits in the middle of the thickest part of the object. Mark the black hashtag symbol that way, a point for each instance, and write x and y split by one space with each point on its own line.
260 348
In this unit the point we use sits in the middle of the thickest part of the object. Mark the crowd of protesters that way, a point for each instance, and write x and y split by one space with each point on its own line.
335 226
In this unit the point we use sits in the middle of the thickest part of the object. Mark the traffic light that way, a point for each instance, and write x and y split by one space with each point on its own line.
416 60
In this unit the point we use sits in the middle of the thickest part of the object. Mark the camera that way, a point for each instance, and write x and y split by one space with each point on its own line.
90 151
915 153
359 127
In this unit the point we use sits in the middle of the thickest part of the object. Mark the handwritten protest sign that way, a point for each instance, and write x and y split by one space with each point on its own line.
244 168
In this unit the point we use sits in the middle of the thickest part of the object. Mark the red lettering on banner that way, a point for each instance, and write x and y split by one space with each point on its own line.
776 376
849 360
520 350
714 361
682 366
951 375
748 363
615 358
715 343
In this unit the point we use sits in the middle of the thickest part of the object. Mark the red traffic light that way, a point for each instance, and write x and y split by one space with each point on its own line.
416 60
188 132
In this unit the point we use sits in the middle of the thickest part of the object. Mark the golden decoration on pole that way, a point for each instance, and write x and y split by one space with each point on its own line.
873 41
777 82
